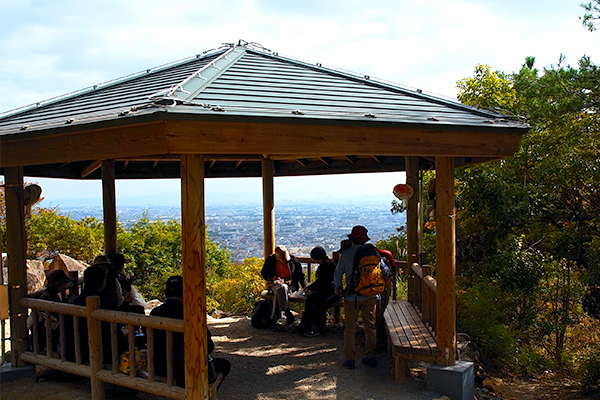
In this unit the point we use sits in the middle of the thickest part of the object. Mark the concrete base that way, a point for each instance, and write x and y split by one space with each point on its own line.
456 381
9 373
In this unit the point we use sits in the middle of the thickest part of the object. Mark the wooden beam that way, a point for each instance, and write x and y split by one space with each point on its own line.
194 276
91 167
86 144
268 170
16 246
323 161
229 137
445 225
109 206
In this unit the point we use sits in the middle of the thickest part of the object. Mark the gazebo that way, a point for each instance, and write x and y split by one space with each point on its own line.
241 110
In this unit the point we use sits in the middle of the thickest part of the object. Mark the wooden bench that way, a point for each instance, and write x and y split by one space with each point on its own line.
337 314
409 337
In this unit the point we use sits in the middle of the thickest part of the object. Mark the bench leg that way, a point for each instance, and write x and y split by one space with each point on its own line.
401 371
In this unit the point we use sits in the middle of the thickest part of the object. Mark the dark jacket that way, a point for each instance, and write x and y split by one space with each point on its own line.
172 308
324 282
269 268
105 303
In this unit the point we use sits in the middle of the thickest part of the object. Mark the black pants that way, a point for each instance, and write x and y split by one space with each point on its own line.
315 309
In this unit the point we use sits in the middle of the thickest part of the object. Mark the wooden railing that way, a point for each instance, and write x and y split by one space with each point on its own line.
422 293
309 262
96 370
400 266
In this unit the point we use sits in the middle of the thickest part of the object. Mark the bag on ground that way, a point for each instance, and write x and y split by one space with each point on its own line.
367 277
260 314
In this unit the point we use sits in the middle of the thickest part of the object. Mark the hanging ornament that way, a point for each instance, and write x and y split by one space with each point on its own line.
403 191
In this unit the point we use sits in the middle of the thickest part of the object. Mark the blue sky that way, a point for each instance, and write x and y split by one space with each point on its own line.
49 48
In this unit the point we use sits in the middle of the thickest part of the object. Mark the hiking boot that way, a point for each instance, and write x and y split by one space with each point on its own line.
370 362
311 333
350 364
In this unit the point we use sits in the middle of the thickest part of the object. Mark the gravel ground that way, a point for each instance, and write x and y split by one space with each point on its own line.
265 365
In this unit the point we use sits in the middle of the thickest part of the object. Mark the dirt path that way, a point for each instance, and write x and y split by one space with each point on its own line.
280 365
265 365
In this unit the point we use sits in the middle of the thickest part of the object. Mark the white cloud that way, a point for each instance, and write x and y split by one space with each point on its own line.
49 48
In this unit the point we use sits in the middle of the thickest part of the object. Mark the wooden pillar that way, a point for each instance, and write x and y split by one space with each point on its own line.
412 210
268 170
445 223
95 345
194 276
109 204
16 246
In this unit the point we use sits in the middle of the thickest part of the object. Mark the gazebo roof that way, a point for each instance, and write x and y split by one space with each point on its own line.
239 104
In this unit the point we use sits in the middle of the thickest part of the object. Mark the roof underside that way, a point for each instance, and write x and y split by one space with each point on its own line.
238 105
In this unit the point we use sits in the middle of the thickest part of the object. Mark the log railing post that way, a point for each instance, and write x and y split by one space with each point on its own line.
95 345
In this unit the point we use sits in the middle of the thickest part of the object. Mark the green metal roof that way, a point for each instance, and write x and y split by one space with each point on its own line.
246 82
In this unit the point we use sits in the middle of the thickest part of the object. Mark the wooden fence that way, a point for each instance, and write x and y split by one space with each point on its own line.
96 370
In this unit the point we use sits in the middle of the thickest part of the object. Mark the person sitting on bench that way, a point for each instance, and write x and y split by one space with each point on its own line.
314 317
284 276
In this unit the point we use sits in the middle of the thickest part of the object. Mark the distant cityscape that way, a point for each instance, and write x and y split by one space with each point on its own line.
299 227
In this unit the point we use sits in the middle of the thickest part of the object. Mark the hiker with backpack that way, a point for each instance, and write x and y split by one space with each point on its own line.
365 281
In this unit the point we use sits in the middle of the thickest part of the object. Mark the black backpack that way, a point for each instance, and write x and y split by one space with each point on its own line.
261 314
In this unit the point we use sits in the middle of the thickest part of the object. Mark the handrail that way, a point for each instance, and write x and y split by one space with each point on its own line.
422 293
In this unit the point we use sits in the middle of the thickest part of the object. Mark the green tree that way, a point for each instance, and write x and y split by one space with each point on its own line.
154 248
592 16
530 224
487 89
49 233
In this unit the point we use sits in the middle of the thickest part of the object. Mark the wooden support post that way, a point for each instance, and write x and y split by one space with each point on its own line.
412 214
445 223
194 276
95 345
268 170
16 246
109 204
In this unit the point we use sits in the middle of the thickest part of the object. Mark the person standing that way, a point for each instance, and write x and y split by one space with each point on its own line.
284 276
355 303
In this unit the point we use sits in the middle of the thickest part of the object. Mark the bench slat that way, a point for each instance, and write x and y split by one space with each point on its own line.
404 329
408 333
395 331
422 334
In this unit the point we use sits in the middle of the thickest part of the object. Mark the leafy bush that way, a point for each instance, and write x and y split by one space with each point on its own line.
590 369
240 287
